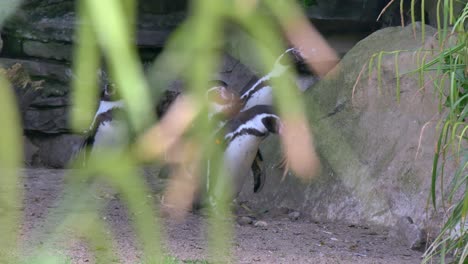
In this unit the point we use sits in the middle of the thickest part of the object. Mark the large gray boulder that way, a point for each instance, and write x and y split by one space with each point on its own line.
376 162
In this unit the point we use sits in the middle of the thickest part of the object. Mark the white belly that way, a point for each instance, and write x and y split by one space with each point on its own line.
262 97
110 135
238 159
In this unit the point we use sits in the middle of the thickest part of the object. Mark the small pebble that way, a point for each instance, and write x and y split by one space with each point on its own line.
293 216
244 220
261 224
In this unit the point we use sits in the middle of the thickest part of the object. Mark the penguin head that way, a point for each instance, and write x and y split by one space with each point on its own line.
109 93
222 100
272 123
291 55
258 121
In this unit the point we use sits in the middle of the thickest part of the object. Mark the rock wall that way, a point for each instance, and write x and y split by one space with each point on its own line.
376 162
40 37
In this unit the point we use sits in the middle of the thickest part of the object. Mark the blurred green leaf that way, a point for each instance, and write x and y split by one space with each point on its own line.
115 38
192 54
11 155
85 91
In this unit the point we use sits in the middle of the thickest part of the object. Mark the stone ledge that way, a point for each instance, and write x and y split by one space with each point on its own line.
49 50
42 69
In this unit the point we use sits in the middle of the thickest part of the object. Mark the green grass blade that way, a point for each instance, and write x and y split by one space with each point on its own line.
371 65
114 37
130 11
402 15
11 154
465 202
10 159
439 23
451 12
464 255
413 17
423 21
462 136
440 58
435 164
446 20
379 72
397 72
85 82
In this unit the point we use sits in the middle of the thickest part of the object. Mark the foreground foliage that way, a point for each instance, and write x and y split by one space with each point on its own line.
106 29
451 83
452 67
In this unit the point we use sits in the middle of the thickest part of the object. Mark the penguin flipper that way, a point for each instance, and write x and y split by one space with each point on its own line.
85 149
258 173
87 144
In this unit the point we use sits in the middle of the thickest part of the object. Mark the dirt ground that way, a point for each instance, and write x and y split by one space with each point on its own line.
282 240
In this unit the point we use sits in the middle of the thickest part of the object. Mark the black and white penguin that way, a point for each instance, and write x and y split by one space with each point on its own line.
108 128
222 102
242 137
258 91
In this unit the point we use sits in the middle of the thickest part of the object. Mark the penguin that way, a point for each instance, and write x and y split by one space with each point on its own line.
242 137
258 91
108 128
222 102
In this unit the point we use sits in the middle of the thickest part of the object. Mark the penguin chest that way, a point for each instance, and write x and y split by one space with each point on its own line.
240 154
111 134
263 96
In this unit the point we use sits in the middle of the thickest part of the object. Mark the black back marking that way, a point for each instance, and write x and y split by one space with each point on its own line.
247 92
248 131
271 124
245 116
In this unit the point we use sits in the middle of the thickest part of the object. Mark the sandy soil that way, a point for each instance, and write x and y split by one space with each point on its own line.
282 240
